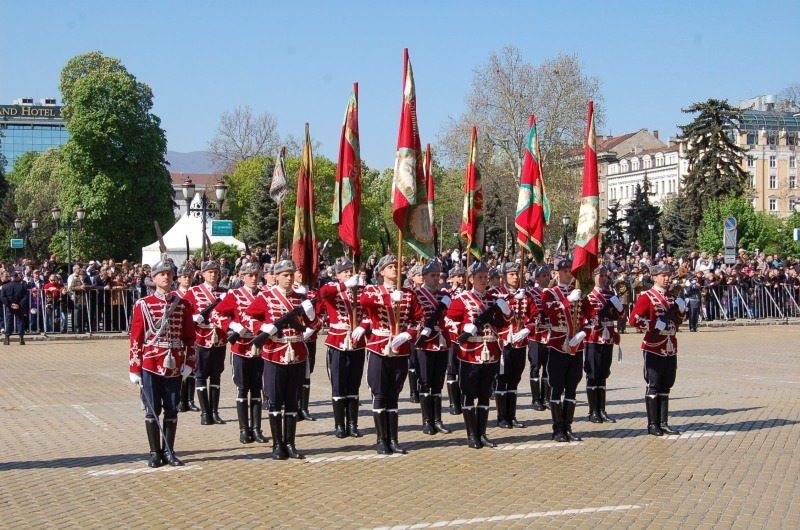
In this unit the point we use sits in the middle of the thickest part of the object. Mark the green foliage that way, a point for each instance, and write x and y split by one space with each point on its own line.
786 245
243 190
755 229
114 158
218 250
639 214
612 225
678 235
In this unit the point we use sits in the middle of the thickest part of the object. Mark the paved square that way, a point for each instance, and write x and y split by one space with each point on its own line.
73 452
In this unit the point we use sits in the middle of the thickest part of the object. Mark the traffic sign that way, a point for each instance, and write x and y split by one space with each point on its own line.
221 227
730 256
17 243
730 223
730 234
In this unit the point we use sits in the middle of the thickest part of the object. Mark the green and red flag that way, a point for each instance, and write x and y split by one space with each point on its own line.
584 259
472 215
347 189
431 193
304 241
410 208
533 209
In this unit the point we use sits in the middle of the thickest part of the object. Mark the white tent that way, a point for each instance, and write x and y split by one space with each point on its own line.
175 240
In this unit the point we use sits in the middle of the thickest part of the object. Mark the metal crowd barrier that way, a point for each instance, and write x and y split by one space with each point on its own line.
751 302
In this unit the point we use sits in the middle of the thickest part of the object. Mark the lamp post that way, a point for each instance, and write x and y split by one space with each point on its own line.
564 226
205 208
80 214
25 231
651 226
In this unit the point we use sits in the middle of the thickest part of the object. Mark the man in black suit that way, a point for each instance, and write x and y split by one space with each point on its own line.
14 296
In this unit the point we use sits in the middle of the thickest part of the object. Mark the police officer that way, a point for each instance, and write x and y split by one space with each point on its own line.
659 313
537 348
14 296
184 280
692 290
161 353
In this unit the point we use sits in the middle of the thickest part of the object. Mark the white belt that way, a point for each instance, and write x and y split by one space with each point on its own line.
607 324
382 332
166 344
487 338
667 333
338 325
559 328
286 340
205 326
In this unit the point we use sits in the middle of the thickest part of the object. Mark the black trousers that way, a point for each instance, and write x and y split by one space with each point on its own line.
248 373
476 382
346 370
310 362
693 313
282 383
160 393
432 367
597 363
453 362
210 365
511 367
386 376
15 319
659 372
537 355
565 372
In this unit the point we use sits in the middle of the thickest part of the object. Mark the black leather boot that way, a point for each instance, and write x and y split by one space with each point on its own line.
168 450
601 405
594 407
483 420
154 440
454 393
184 404
205 407
190 384
502 410
303 413
213 395
569 416
255 421
339 412
382 432
511 407
394 421
471 423
352 417
276 427
437 416
242 411
536 395
557 414
651 403
663 415
289 431
413 386
546 391
426 404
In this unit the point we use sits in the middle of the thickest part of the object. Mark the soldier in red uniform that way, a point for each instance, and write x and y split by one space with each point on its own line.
209 342
161 354
391 318
346 344
284 352
566 314
457 277
659 314
311 344
537 348
477 320
514 338
184 279
604 310
248 367
432 348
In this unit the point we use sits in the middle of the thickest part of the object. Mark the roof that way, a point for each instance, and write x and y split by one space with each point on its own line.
674 148
200 180
756 120
611 142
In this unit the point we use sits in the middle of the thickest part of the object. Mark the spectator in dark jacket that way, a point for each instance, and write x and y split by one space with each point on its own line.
14 296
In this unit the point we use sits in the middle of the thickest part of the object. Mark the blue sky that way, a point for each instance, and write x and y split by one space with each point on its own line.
297 60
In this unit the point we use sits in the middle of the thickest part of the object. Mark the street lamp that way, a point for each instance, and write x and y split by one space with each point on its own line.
205 208
80 214
25 231
651 226
565 225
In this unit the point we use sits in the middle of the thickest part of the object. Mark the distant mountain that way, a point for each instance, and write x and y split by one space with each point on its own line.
194 162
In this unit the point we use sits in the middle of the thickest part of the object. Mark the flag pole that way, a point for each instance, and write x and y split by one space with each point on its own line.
399 280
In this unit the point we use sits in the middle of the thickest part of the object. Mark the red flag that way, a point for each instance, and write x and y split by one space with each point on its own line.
472 215
347 190
304 242
584 259
533 209
431 192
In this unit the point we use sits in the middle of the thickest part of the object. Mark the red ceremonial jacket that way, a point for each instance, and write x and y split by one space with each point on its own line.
559 314
385 320
601 331
428 301
231 309
484 347
651 305
268 307
523 315
201 296
149 351
344 315
310 295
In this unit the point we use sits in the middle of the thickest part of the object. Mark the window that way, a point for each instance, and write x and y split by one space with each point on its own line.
773 204
752 138
792 162
635 164
773 182
647 163
792 181
792 202
751 162
772 162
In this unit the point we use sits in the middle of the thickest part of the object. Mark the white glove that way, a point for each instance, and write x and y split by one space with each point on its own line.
352 282
660 325
426 332
361 281
236 327
401 339
617 303
520 335
397 295
446 300
307 333
681 304
577 339
186 371
308 307
358 333
503 305
269 329
198 318
136 379
301 290
575 295
520 294
470 328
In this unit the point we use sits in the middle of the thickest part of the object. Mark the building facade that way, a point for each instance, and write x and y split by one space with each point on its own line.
26 126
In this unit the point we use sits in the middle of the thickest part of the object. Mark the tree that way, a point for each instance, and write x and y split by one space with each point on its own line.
640 214
242 136
114 160
790 95
613 225
754 229
243 186
260 218
715 169
677 235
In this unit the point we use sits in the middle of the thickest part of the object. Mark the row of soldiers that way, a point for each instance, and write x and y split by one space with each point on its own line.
473 337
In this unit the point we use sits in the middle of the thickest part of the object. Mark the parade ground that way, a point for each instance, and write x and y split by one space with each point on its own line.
73 452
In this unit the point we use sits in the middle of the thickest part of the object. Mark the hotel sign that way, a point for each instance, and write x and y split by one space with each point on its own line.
29 111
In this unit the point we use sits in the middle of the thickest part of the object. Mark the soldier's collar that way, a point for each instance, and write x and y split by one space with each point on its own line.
163 295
